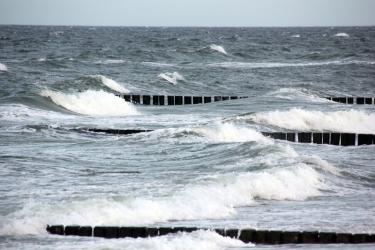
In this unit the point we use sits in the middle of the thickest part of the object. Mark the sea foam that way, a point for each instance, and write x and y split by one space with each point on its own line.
214 199
3 67
352 121
91 102
218 48
173 78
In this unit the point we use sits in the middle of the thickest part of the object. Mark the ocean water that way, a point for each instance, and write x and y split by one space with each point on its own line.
204 165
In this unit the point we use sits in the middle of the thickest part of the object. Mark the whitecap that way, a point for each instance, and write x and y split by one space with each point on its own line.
341 34
112 84
173 78
296 36
91 102
218 48
350 121
3 67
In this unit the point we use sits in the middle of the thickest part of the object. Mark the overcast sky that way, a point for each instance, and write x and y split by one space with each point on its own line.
189 12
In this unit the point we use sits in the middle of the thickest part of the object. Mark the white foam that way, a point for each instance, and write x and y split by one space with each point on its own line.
296 36
342 34
3 67
215 198
42 59
90 102
112 84
354 121
228 132
173 78
202 239
218 48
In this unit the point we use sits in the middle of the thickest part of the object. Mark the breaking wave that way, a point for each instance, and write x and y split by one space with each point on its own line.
353 121
212 199
173 78
341 35
92 102
3 67
111 84
218 48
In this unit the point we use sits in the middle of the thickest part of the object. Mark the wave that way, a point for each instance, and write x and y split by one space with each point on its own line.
111 84
213 198
158 64
110 61
173 78
341 34
260 65
228 132
351 121
3 67
296 36
91 102
218 48
297 93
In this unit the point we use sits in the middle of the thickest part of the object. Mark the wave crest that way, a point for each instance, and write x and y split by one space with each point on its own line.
92 102
111 84
351 121
341 34
173 78
3 67
218 48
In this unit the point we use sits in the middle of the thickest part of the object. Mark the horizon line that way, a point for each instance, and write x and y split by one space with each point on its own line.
191 26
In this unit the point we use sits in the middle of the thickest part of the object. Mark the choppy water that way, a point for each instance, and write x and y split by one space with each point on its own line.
204 165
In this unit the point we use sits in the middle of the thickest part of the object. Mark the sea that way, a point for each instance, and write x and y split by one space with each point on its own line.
205 165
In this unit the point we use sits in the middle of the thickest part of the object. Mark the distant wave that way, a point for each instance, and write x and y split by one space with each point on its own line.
111 84
295 93
218 48
3 67
173 78
260 65
158 64
341 35
91 102
352 121
110 61
296 36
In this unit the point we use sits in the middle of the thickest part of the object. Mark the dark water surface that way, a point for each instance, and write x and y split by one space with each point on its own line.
204 165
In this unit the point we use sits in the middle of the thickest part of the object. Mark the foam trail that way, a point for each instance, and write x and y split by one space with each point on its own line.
3 67
218 48
172 77
91 102
341 35
112 84
351 121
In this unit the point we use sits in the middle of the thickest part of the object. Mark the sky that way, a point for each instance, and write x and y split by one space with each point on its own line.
189 12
